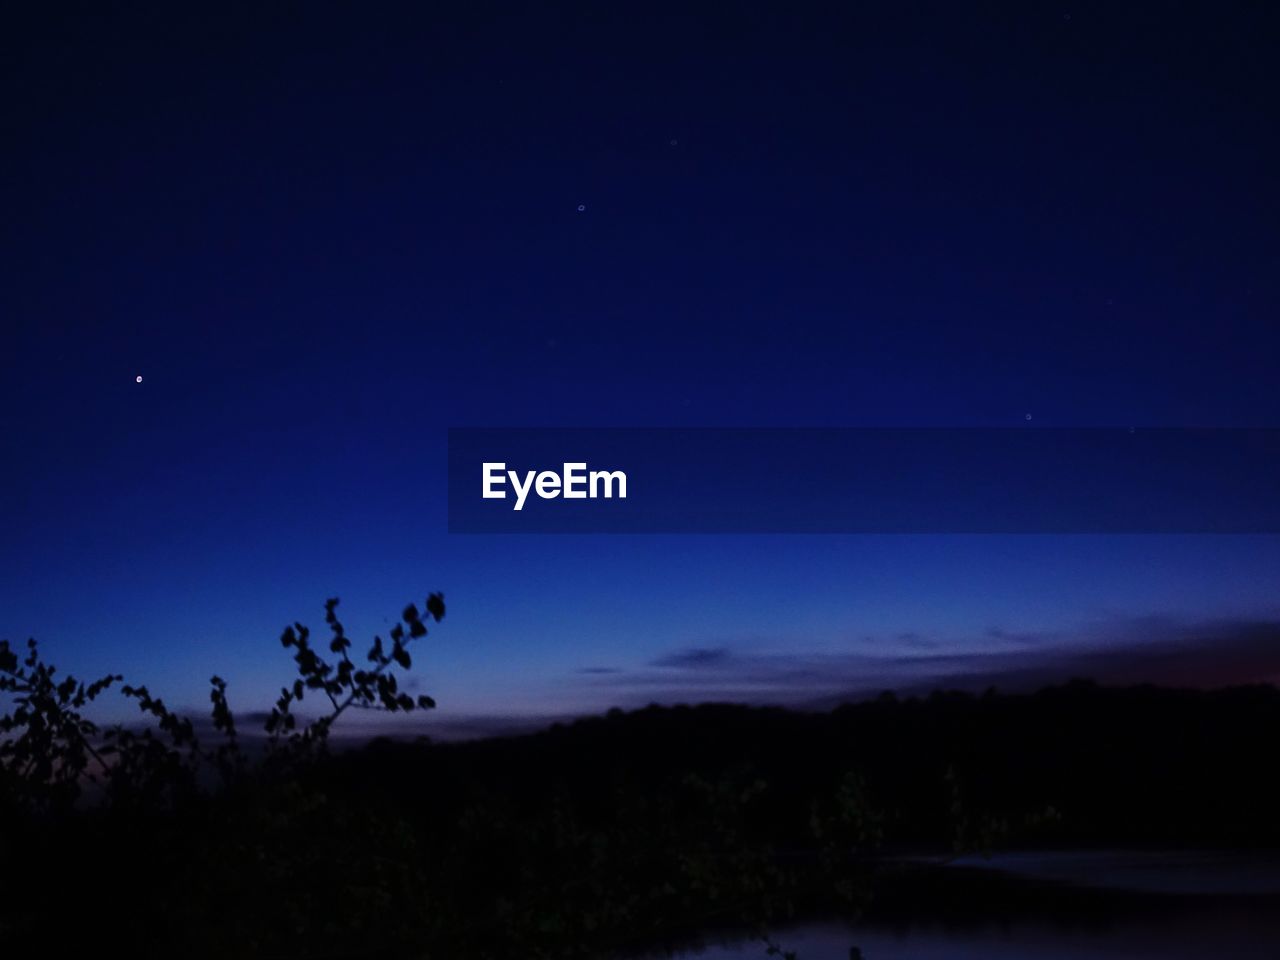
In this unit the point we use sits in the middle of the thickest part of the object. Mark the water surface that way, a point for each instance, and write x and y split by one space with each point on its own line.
1096 904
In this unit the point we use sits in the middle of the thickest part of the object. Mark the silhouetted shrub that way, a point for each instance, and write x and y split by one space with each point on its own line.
50 751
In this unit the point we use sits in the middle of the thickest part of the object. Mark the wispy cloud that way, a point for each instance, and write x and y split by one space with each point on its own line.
696 658
1154 649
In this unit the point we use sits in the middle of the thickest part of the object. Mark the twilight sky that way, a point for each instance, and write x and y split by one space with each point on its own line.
323 234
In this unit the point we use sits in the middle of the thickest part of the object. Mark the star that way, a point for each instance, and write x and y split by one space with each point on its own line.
138 378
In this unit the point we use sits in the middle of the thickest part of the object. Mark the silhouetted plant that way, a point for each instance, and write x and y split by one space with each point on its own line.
345 684
45 764
50 750
846 826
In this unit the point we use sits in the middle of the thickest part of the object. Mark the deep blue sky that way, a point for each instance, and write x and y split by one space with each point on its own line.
324 234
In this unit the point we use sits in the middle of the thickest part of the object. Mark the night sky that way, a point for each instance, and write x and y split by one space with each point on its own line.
323 234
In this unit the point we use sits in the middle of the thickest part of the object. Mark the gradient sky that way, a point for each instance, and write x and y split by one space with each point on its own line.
323 234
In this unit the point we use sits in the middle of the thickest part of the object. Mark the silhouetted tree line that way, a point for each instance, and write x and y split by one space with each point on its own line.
590 839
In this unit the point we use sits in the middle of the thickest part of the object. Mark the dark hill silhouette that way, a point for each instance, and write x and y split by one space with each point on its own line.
1096 765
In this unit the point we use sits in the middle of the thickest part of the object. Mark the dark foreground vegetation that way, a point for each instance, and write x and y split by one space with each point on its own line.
593 839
